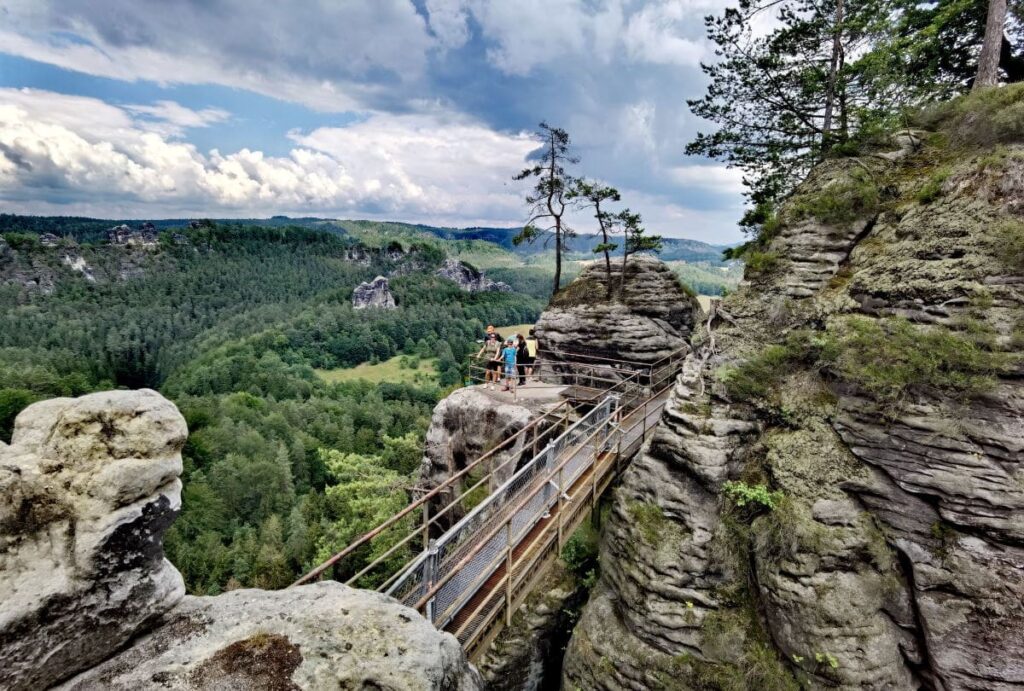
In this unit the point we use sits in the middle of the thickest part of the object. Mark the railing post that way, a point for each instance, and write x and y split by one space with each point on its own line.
429 576
508 572
426 525
558 518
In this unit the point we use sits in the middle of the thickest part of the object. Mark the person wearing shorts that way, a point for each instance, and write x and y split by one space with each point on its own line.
492 349
508 356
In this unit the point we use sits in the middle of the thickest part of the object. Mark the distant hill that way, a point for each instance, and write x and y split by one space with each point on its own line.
370 232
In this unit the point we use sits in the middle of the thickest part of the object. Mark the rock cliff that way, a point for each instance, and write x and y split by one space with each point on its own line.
834 496
469 279
373 294
651 317
87 600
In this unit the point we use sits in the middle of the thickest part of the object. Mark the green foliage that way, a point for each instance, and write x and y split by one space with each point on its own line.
886 358
743 494
580 552
979 119
1009 244
231 327
649 519
12 401
855 195
760 263
932 188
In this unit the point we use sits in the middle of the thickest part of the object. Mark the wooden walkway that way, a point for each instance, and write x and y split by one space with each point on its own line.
475 608
471 579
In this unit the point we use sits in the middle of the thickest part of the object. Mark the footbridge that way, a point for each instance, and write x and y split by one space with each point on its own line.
468 552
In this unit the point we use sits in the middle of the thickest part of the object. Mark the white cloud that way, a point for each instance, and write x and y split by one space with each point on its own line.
421 166
713 178
172 119
330 56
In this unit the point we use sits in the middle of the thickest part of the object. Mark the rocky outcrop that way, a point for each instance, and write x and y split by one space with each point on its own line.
468 423
321 636
651 317
88 601
125 236
89 487
527 656
863 395
374 294
469 279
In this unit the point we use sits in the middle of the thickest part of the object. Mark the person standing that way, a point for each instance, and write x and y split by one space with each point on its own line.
522 357
508 355
531 352
492 350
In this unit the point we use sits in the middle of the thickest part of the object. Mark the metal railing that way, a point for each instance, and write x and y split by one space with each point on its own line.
485 562
455 565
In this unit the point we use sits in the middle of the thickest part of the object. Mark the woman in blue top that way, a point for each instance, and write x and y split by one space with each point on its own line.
508 356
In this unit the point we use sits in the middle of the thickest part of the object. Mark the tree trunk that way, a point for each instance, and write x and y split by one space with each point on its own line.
988 60
558 255
833 77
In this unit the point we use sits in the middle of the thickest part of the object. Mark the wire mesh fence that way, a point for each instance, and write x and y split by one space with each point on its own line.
459 562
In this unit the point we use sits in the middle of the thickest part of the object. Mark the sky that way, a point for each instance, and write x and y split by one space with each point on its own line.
408 110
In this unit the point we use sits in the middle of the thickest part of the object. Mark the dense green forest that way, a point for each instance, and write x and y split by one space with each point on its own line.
229 322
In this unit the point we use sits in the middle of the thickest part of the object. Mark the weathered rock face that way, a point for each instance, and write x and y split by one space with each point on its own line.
375 294
527 656
467 424
469 279
891 554
89 487
653 316
321 636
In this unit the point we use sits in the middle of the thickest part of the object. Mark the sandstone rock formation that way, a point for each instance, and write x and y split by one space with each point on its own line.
87 489
375 294
469 279
864 388
652 318
321 636
468 423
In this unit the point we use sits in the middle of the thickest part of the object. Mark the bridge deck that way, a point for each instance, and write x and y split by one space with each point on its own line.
471 579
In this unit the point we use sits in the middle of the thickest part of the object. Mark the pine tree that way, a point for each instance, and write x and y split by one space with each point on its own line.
549 199
592 195
635 240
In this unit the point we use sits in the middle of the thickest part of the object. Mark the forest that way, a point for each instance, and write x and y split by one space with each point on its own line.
230 323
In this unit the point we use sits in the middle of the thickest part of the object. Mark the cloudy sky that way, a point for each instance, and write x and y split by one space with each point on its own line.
413 110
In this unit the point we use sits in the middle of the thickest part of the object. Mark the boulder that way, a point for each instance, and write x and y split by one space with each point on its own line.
652 317
469 279
468 423
374 294
88 601
89 487
322 636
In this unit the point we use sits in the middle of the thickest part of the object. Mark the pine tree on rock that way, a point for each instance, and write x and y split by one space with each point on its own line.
636 240
592 195
549 199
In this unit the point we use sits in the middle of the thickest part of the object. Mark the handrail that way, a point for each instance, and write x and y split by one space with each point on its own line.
436 587
418 503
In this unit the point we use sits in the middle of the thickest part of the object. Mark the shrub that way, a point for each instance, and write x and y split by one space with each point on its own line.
649 519
889 357
855 196
580 553
932 189
979 118
743 494
760 263
1009 244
